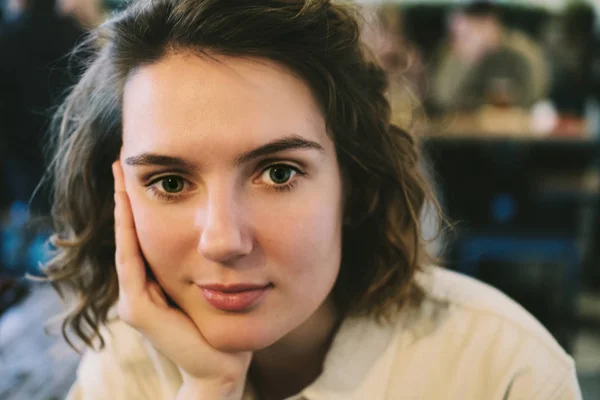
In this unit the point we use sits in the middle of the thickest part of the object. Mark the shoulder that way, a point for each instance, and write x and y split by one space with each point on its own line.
127 367
464 341
475 330
465 297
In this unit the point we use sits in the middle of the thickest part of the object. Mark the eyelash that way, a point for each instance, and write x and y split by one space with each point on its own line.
286 187
161 195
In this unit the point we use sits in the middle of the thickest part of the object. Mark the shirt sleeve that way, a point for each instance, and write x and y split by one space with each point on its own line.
567 389
99 377
532 386
127 368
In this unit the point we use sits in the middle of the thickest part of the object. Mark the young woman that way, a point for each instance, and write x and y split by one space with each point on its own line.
265 241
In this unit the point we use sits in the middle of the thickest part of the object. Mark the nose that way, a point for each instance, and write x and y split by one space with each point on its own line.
223 238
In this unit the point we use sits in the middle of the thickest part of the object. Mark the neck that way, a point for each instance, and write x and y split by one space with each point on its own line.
288 366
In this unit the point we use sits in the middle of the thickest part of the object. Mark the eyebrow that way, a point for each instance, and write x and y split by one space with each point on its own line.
150 159
292 142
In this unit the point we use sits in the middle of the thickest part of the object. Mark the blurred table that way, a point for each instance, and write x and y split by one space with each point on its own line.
515 123
471 169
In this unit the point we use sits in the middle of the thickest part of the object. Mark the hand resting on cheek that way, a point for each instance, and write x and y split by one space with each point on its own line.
207 373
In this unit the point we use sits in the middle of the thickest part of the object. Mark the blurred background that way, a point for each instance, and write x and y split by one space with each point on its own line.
504 95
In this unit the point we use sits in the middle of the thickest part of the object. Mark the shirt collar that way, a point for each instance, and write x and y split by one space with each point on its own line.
358 363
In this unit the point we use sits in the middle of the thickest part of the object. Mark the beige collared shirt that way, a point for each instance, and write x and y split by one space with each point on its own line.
465 341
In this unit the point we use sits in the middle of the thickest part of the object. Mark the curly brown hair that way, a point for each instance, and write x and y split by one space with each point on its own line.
382 245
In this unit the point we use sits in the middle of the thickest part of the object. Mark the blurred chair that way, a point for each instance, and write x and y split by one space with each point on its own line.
520 203
525 250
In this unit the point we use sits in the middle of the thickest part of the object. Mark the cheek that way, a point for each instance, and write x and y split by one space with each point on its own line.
306 243
163 233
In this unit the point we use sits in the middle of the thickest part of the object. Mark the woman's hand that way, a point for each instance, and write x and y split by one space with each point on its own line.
207 372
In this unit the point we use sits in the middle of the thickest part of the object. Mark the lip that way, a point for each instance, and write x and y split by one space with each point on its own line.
234 297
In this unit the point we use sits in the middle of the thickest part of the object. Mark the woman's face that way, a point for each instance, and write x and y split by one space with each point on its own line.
236 194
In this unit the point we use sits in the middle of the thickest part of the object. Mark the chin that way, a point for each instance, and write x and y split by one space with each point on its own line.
232 336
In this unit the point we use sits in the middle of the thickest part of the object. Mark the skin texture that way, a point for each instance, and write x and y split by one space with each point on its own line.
228 221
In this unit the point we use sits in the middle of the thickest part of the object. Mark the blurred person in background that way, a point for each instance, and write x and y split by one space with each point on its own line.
12 9
34 73
88 13
574 48
383 32
484 62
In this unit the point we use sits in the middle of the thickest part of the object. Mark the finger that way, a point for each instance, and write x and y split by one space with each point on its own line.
118 176
128 258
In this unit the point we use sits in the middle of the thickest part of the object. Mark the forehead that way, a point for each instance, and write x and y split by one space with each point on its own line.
220 104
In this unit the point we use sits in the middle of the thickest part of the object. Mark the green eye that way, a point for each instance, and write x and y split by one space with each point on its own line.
172 184
280 174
